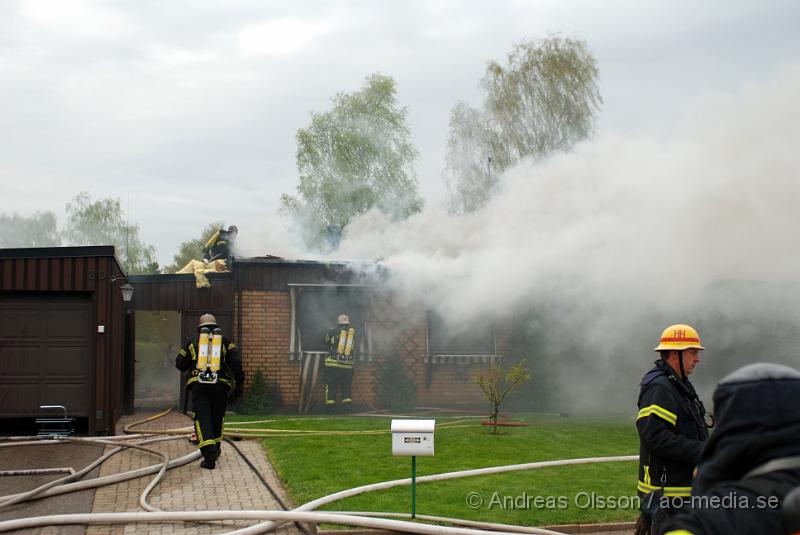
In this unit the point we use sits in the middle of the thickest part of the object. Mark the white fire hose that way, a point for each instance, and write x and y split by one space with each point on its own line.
312 505
302 513
268 520
279 516
51 489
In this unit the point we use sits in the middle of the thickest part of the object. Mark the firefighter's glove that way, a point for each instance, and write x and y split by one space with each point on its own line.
642 525
236 396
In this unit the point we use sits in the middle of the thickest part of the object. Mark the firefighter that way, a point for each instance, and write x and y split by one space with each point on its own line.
220 245
751 463
672 428
214 368
339 362
791 512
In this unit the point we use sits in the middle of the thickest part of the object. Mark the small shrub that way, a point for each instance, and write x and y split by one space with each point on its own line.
257 399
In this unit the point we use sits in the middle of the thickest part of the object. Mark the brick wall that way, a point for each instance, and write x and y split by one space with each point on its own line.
397 332
266 324
403 331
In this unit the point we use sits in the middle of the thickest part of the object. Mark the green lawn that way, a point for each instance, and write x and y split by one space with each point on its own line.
313 466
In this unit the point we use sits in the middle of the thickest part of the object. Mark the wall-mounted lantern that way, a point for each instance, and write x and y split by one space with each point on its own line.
127 292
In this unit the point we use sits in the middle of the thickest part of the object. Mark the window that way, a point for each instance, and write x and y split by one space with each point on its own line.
316 311
467 339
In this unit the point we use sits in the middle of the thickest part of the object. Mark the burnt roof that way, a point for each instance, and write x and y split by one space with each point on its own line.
287 261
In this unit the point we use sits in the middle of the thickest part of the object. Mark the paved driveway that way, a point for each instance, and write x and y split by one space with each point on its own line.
53 456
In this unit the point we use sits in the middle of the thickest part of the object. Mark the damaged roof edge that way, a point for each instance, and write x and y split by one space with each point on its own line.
349 273
268 260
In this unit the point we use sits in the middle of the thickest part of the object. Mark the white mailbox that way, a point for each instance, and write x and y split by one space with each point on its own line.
413 437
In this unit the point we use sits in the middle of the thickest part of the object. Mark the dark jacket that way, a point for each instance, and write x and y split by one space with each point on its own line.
757 420
220 245
230 371
672 430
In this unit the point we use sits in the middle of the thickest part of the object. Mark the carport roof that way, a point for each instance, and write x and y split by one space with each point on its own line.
58 252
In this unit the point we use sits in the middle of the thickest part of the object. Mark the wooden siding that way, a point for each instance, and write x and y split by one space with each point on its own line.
90 270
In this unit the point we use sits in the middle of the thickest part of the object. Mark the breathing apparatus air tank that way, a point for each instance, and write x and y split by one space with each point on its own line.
202 349
216 350
342 341
348 346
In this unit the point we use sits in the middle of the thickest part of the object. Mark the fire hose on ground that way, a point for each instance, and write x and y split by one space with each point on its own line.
273 518
302 513
278 516
312 505
52 488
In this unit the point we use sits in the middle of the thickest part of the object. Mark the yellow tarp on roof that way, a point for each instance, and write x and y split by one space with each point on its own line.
200 267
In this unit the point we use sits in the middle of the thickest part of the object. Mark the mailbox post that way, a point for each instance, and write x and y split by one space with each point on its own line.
411 438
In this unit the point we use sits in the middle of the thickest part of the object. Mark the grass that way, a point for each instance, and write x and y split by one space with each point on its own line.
314 466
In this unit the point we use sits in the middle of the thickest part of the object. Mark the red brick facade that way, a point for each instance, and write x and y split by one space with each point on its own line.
265 345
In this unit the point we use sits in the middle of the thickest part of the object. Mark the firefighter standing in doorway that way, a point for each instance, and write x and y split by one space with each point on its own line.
341 343
672 428
214 367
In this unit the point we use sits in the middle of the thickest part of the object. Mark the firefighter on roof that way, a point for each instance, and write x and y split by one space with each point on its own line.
214 368
672 428
341 343
220 245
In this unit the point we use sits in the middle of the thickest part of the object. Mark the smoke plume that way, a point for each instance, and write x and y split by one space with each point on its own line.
597 250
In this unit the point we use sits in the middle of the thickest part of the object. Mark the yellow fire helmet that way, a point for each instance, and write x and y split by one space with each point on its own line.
679 337
343 319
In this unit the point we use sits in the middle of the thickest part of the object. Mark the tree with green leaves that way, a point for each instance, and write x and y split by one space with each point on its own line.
543 100
193 249
103 222
469 166
37 230
353 157
496 382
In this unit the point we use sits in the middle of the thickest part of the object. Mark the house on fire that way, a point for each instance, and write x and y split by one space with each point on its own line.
69 338
278 310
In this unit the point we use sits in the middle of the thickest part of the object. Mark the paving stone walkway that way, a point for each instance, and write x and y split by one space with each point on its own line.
232 485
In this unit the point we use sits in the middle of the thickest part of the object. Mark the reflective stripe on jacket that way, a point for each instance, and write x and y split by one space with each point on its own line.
671 430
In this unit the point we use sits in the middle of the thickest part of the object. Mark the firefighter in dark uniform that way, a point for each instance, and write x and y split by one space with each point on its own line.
752 460
214 368
341 343
672 429
791 512
220 245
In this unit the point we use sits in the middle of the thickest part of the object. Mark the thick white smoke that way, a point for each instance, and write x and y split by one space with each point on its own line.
590 254
629 218
620 236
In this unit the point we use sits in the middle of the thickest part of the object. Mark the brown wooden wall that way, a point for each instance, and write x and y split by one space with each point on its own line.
89 270
180 292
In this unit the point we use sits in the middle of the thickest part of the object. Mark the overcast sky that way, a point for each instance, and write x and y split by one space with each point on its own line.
187 110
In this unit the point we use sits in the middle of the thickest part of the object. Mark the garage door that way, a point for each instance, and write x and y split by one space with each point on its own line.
45 353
